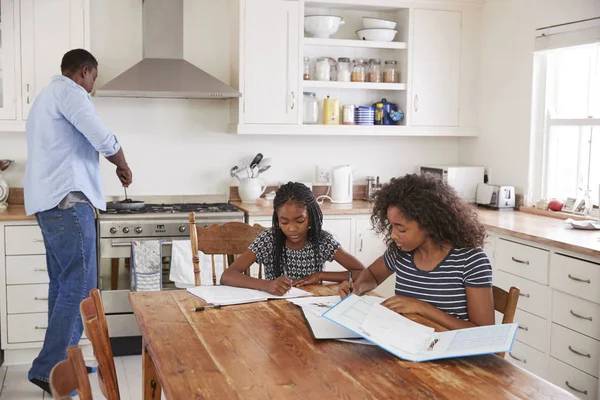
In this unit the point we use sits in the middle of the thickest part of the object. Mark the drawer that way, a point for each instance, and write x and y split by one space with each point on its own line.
533 297
27 327
26 269
521 260
25 239
489 244
575 349
528 358
22 299
577 314
576 277
532 330
572 380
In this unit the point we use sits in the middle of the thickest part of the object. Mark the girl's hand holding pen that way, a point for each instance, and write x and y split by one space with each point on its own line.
279 286
344 289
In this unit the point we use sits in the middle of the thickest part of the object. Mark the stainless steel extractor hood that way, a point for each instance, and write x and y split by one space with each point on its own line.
163 73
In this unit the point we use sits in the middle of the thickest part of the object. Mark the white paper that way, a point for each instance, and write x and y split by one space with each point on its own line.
589 224
229 295
322 328
321 304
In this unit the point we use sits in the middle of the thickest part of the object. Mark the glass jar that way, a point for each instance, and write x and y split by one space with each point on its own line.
306 74
359 70
323 69
390 72
344 70
311 108
375 71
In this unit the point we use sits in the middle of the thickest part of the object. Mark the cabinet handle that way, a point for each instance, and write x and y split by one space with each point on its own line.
579 353
520 261
27 93
416 103
38 240
576 279
361 243
40 298
524 361
293 100
575 389
527 295
573 313
41 327
526 329
40 269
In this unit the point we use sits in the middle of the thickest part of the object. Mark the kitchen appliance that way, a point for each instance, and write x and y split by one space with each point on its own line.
462 178
371 187
341 184
495 196
162 218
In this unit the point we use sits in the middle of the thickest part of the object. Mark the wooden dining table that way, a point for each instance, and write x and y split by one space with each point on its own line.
265 350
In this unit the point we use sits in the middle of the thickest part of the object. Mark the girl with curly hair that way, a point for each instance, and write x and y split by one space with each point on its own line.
434 247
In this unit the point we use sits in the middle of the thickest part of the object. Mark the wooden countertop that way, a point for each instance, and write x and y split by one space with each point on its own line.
357 207
15 213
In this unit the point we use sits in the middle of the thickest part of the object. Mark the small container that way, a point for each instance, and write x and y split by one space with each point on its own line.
348 114
306 74
344 72
375 72
379 114
323 69
311 108
359 70
370 185
390 72
331 111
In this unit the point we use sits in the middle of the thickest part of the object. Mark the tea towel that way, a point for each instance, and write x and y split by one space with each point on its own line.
146 265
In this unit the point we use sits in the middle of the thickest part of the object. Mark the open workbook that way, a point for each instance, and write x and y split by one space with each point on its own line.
412 341
229 295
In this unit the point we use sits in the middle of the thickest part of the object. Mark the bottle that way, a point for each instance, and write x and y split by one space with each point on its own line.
306 74
311 108
331 111
344 70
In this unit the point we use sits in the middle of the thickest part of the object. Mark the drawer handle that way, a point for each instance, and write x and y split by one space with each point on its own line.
40 298
524 295
579 279
520 261
526 329
40 269
41 327
38 240
579 353
575 389
573 313
524 361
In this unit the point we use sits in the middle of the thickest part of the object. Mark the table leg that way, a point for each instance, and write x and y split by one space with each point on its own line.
150 385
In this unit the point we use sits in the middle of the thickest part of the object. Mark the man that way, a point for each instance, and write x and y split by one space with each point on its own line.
63 188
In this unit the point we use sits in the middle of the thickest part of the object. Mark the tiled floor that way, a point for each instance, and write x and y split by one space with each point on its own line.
15 385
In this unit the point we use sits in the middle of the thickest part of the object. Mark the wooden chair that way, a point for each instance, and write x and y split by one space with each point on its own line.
506 303
230 240
96 330
71 375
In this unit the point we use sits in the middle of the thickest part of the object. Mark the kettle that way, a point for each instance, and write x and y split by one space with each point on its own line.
341 184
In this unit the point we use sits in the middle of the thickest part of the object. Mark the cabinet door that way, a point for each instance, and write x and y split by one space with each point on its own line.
271 62
49 29
7 60
369 247
341 229
436 68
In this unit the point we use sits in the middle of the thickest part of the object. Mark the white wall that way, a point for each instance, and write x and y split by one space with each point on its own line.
508 32
181 146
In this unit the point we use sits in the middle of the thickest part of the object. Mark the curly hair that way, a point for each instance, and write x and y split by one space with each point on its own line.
434 205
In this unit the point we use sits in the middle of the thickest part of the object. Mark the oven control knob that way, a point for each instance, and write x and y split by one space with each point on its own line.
138 229
182 229
126 230
113 230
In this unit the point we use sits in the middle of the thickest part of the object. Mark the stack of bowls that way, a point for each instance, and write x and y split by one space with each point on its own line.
364 115
378 30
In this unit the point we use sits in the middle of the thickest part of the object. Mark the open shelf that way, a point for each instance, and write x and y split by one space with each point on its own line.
365 44
353 85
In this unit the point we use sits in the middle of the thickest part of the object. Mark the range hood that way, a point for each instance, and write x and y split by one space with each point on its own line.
163 73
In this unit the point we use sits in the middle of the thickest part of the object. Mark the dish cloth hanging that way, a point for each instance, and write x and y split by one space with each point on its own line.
146 265
182 268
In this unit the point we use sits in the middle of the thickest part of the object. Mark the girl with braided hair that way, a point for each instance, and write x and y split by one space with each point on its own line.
294 250
434 248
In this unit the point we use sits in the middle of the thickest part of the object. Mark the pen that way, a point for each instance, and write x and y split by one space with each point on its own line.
206 307
351 288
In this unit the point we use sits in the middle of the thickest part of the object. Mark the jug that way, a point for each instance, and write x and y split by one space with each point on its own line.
250 189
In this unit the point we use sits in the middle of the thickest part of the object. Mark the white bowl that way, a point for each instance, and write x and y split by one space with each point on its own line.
377 35
377 23
322 26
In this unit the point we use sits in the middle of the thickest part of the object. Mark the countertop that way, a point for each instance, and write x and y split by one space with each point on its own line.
536 228
15 213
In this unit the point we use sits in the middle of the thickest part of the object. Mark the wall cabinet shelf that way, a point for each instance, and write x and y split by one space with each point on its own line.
353 85
365 44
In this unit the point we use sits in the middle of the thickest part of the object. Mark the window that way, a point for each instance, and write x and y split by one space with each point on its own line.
567 117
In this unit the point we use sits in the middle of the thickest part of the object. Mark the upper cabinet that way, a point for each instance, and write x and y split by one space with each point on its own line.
7 59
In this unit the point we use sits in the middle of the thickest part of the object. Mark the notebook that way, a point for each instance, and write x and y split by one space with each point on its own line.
412 341
229 295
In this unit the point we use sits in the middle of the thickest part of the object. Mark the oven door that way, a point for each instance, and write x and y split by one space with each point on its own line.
114 278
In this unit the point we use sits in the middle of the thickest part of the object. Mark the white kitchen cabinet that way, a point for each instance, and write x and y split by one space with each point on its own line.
270 62
436 65
341 229
369 247
7 60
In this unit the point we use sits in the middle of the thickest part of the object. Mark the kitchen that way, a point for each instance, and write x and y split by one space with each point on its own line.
183 147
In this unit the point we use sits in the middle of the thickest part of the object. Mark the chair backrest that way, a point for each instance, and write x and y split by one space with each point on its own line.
96 330
71 375
506 303
230 240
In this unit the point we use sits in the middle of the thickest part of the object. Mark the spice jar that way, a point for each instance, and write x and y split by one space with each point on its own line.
375 72
343 70
359 70
306 74
311 108
390 73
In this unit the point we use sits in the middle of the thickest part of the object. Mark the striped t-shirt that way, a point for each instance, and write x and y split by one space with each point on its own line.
444 286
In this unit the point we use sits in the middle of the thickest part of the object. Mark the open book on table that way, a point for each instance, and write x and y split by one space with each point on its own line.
412 341
229 295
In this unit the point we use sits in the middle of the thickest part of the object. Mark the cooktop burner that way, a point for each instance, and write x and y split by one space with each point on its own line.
177 208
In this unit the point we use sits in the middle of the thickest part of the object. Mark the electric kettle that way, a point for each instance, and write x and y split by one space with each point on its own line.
341 184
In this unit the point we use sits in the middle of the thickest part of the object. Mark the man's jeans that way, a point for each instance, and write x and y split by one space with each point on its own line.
70 241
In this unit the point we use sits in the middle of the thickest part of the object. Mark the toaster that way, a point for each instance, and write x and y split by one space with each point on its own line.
495 196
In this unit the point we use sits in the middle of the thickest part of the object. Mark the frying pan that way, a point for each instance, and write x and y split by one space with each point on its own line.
126 204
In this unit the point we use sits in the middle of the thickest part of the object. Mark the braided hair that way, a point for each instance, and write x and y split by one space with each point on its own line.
301 195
